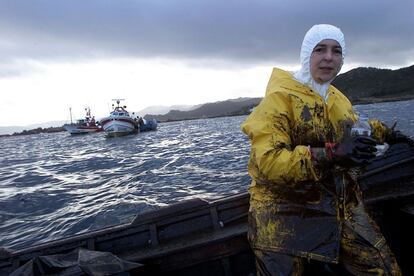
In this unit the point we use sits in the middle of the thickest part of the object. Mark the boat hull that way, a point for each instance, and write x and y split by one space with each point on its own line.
148 125
119 126
76 129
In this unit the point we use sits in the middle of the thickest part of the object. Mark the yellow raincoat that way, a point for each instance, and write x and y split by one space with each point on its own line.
295 207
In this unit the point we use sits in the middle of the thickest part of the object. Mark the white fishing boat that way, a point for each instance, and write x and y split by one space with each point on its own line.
82 126
119 122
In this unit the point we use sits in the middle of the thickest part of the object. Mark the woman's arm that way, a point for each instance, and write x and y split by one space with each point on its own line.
272 156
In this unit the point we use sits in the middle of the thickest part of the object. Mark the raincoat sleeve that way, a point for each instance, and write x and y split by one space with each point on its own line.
273 157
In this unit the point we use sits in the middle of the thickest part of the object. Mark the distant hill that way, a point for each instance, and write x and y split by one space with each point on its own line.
161 110
367 85
361 85
4 130
231 107
35 131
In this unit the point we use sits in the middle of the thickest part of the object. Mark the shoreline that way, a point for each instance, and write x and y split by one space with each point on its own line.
374 100
362 101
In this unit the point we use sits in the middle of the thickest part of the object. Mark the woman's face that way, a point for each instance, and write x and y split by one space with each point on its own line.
325 60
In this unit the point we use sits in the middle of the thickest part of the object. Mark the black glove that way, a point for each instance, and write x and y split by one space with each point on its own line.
355 151
396 137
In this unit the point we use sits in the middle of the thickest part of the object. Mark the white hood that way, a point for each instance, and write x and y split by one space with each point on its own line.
315 35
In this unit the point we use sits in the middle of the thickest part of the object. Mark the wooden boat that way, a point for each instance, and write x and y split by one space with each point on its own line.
83 126
199 237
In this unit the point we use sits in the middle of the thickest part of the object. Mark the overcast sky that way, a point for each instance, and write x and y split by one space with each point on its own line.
78 53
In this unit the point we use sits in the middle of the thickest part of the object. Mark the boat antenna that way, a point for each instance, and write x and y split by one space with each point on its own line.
118 101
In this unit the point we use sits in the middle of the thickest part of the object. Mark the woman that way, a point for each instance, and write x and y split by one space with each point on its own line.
300 140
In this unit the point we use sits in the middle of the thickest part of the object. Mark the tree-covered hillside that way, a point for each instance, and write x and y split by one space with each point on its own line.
365 85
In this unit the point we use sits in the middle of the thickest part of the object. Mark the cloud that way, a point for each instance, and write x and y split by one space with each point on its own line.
160 52
241 32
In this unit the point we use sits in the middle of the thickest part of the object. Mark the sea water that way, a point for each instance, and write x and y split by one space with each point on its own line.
56 185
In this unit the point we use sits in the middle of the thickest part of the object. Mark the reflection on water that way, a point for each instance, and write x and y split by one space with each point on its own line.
56 185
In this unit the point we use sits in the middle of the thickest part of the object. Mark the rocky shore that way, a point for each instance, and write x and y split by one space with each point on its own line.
36 131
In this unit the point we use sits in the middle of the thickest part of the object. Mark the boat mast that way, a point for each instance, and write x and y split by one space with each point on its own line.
70 112
88 112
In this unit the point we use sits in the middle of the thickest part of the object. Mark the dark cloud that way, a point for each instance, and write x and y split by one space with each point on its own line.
377 32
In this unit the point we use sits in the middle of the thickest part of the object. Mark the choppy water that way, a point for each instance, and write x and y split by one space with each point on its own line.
56 185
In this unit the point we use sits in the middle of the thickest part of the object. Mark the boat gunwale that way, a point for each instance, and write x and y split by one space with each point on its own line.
171 216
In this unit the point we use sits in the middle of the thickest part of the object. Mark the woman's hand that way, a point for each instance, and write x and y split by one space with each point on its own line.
355 151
